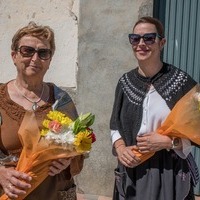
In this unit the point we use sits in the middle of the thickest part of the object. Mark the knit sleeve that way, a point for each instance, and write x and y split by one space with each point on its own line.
115 116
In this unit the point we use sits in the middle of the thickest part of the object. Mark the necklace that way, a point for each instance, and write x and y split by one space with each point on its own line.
35 103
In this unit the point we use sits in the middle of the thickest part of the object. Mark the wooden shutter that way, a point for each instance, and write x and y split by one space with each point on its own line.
181 19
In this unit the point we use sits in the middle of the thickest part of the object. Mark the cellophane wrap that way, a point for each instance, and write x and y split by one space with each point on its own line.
183 121
37 153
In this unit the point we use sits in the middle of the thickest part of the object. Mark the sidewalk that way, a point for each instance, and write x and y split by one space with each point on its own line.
91 197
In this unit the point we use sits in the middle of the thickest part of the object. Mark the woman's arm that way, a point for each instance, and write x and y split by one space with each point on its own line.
153 142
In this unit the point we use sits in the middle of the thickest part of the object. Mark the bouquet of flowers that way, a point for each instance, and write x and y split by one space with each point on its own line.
60 129
60 138
183 120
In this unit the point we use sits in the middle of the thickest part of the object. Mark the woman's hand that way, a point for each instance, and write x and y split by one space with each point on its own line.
59 165
152 142
127 157
14 183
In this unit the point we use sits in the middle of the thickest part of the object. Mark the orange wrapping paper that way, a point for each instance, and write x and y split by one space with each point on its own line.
183 121
36 154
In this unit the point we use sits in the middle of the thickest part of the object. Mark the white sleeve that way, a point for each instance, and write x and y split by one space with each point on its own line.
115 135
186 148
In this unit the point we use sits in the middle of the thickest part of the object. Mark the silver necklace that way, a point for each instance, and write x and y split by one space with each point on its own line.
35 103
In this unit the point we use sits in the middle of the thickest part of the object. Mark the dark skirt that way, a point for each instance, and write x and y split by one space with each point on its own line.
165 176
196 154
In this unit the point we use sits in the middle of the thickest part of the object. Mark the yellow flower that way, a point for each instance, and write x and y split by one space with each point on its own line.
60 117
45 123
199 104
83 141
44 132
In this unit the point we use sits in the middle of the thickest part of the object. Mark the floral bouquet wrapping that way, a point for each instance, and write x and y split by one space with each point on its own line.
60 138
183 121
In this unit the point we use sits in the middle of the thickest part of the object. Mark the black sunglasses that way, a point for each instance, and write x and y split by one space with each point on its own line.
26 51
148 38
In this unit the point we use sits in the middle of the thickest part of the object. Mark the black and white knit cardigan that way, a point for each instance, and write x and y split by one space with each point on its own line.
170 82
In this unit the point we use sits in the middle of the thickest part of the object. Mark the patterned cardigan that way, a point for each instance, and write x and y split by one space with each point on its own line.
170 82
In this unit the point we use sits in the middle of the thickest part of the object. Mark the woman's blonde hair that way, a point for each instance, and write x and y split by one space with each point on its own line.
32 29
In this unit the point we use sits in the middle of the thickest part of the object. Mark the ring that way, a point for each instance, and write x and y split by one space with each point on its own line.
126 159
10 186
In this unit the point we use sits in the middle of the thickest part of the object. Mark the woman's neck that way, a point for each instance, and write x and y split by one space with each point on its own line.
29 85
149 70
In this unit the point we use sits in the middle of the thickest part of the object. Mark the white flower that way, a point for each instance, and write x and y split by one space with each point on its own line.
197 96
64 138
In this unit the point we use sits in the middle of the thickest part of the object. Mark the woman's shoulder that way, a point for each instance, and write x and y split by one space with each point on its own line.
175 69
129 73
61 96
60 93
3 90
179 73
2 85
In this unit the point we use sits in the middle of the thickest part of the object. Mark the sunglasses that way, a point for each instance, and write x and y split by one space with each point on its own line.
148 38
26 51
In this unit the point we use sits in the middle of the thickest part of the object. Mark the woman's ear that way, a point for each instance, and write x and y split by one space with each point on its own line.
162 43
13 55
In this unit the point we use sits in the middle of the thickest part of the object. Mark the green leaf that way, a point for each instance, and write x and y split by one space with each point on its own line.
83 122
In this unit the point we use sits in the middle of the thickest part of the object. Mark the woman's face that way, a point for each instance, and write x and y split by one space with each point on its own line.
31 66
147 52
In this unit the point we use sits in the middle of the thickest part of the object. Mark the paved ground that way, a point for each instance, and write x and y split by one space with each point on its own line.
91 197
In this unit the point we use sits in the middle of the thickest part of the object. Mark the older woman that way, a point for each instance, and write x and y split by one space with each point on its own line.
33 47
143 99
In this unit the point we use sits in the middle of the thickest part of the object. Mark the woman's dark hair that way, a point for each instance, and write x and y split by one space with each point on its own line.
151 20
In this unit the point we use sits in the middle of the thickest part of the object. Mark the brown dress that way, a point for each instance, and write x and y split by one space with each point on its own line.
60 186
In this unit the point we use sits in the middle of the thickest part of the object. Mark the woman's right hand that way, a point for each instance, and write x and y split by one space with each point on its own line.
14 183
127 157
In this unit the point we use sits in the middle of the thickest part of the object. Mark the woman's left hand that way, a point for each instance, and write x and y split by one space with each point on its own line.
152 142
59 165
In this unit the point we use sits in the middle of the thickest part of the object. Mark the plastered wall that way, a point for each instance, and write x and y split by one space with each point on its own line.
60 15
